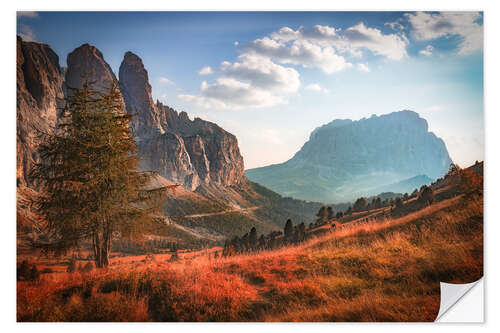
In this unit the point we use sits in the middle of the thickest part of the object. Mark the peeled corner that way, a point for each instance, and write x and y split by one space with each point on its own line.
451 294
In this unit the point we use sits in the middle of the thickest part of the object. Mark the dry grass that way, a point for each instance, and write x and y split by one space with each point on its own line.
386 270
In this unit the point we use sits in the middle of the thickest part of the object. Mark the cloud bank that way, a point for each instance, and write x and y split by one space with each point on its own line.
266 71
465 25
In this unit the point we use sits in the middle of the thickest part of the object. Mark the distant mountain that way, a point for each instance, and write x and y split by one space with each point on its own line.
404 186
346 159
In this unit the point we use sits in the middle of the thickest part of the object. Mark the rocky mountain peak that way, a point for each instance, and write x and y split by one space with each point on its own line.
87 63
136 90
188 152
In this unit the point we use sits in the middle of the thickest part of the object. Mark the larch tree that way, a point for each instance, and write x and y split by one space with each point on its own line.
426 196
359 205
288 229
91 188
331 213
322 215
253 241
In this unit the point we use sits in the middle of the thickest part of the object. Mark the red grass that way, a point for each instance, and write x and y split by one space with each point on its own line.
382 270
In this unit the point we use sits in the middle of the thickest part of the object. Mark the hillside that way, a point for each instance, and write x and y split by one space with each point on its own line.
366 269
347 159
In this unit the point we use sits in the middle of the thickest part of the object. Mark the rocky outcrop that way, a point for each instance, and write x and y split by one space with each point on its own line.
190 152
39 95
136 91
86 64
345 159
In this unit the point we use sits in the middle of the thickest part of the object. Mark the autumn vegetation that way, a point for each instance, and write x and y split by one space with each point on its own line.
367 269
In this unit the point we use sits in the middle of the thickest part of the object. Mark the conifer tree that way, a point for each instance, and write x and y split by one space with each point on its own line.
330 212
359 205
253 238
288 229
300 232
262 241
426 196
91 189
322 215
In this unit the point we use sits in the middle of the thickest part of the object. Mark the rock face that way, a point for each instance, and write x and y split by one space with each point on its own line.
136 91
86 63
346 159
189 152
39 95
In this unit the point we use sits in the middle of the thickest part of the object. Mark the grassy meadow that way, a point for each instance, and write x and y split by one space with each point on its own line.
364 270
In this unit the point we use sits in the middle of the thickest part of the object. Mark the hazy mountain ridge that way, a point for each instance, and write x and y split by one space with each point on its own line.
346 159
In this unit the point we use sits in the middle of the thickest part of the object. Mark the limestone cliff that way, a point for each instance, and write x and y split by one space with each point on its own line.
190 152
39 95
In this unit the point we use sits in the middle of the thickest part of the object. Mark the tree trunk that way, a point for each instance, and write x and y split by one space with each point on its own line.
102 247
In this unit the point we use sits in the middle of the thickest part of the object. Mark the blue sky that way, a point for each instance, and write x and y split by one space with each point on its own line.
270 78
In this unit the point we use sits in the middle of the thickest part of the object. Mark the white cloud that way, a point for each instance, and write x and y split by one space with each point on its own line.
165 80
391 46
364 68
316 87
27 14
396 25
236 43
262 73
252 81
428 26
228 93
300 52
427 51
27 33
207 70
352 40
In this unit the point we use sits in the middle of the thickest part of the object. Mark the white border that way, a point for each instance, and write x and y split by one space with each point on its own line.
8 165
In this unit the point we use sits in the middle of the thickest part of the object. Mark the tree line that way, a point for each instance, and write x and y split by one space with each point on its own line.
252 242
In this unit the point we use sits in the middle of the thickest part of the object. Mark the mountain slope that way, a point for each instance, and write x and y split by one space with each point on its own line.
346 159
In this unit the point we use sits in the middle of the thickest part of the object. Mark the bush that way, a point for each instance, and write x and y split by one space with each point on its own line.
88 267
426 196
34 274
174 257
27 273
23 270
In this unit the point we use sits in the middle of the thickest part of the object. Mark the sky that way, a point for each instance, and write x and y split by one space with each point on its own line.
270 78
